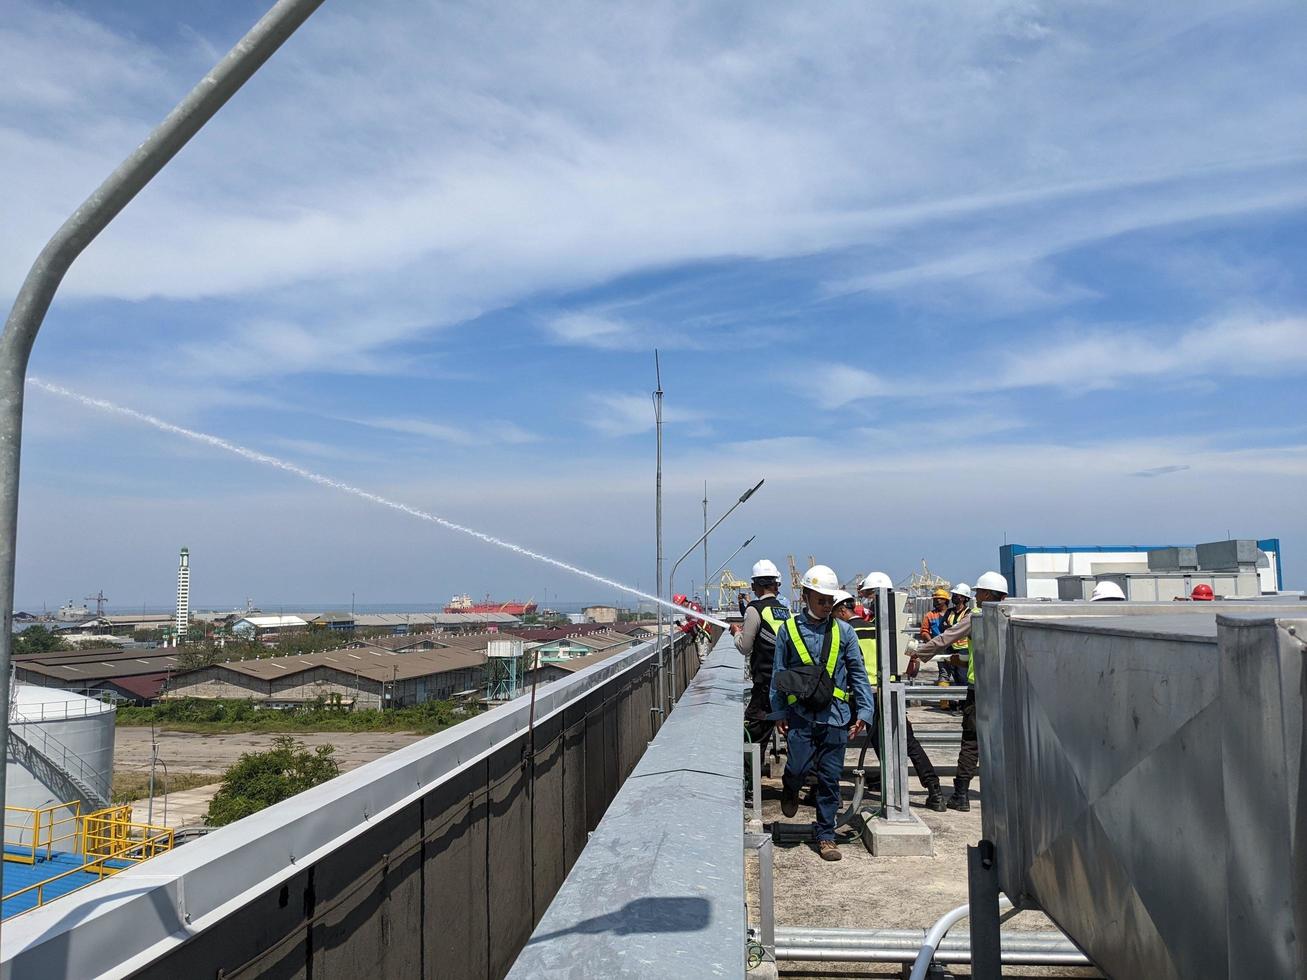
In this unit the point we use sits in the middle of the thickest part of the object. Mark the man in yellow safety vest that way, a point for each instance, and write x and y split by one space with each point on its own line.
821 698
756 639
865 630
990 587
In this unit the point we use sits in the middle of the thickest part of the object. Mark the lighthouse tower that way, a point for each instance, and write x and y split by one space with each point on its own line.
182 621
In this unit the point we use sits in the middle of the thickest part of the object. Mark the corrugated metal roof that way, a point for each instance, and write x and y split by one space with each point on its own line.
377 665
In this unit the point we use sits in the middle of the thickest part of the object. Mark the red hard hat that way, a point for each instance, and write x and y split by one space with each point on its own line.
1202 593
680 599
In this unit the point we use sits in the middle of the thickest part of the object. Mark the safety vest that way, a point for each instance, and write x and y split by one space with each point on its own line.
865 630
773 613
792 625
951 619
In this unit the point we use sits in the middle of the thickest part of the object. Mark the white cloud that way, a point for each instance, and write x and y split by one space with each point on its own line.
1093 358
627 415
481 433
403 168
593 330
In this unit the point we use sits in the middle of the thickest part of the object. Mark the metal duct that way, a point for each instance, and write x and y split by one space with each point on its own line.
1144 781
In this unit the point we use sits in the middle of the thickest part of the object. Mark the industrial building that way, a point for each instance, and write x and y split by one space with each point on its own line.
364 677
601 614
258 627
135 676
1033 570
117 625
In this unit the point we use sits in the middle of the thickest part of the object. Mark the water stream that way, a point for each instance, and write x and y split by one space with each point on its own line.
257 457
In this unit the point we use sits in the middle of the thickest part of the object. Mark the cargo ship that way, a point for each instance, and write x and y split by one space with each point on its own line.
464 604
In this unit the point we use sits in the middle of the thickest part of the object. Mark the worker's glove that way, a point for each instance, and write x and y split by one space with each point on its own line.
918 649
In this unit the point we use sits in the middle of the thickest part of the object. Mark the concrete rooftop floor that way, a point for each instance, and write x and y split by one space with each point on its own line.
866 892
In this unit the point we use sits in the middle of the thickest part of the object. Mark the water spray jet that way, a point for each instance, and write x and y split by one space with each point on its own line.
255 456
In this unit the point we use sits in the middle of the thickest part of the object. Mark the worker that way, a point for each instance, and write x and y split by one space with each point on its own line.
756 639
821 698
1202 593
865 631
1107 592
953 668
990 587
932 624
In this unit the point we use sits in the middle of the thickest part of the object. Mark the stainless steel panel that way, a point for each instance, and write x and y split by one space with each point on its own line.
1141 776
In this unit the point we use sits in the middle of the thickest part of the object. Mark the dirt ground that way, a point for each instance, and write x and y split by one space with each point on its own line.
186 751
866 892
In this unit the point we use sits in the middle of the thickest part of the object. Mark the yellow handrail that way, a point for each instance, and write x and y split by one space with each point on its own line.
101 837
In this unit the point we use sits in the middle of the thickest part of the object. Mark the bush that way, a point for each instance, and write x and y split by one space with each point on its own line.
37 639
260 779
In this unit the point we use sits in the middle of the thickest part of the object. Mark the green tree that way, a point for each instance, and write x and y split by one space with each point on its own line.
38 639
260 779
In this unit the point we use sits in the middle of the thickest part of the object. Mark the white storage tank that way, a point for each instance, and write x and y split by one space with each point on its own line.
60 750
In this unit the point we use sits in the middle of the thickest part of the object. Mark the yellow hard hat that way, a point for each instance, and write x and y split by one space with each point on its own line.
940 593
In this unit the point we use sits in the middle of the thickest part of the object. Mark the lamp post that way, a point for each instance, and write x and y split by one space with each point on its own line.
732 558
81 228
658 536
671 577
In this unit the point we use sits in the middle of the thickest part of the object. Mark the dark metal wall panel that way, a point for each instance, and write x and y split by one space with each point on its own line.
595 749
368 903
509 859
549 863
267 938
452 885
611 749
574 815
456 927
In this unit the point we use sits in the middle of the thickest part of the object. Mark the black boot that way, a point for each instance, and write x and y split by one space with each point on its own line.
934 798
789 800
959 801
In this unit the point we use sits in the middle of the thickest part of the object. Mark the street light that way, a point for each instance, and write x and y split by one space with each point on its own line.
671 578
729 560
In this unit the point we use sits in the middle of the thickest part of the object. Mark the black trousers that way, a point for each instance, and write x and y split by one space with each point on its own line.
756 722
969 756
916 754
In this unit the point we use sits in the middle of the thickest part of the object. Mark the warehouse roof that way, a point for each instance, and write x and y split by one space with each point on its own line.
371 662
90 666
580 663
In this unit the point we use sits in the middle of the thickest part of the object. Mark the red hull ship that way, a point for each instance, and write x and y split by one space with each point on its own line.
464 604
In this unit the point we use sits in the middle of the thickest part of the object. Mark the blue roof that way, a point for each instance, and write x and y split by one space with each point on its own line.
18 875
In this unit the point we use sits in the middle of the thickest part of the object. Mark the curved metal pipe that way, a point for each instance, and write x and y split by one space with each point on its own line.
939 930
905 945
895 954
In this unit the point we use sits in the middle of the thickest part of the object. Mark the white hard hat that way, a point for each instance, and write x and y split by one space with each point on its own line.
765 569
962 589
992 581
842 596
877 580
822 579
1106 590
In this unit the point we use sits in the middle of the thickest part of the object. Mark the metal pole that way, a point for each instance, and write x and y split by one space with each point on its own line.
47 272
723 565
658 539
983 897
888 777
705 544
671 578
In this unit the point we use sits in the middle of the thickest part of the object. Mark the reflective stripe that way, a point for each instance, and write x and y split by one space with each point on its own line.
792 626
971 661
866 634
952 618
769 618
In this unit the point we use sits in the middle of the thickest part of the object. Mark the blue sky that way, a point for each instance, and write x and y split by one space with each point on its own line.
940 273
